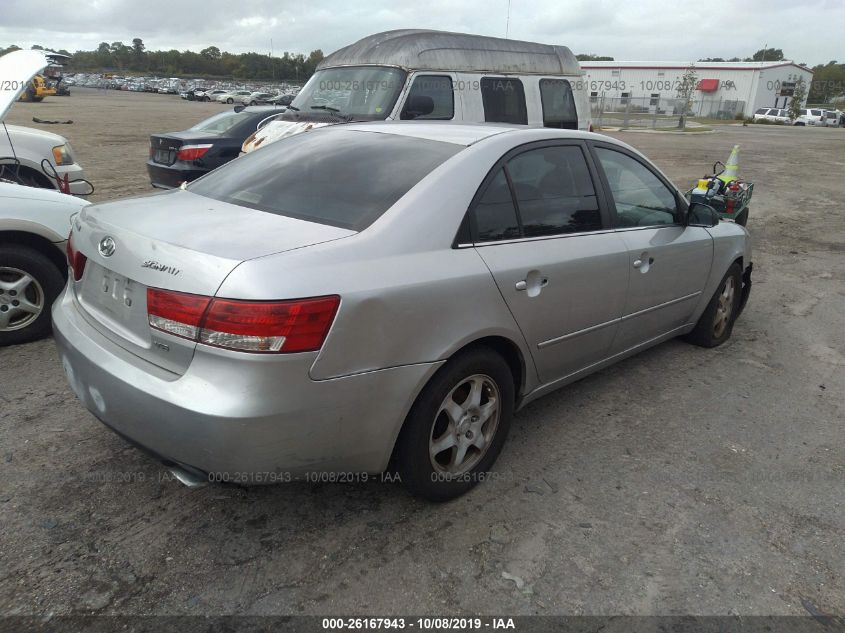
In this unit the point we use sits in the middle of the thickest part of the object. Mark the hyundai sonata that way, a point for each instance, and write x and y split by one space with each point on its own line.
383 295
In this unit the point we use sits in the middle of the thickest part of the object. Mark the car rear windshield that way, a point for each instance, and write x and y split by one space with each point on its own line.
343 178
222 122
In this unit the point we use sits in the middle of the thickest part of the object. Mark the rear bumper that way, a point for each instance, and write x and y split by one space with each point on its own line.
238 417
171 176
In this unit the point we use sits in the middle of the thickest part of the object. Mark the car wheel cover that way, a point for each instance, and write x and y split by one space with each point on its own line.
465 424
21 299
724 307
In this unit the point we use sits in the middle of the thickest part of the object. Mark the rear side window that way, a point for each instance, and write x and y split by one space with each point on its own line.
343 178
554 191
504 100
495 214
431 97
558 104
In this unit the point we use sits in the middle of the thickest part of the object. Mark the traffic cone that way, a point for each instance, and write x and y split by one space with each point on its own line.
731 172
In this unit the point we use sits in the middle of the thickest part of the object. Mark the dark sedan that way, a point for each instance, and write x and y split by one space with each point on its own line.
177 157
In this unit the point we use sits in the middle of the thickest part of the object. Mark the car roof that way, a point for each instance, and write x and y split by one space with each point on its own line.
467 133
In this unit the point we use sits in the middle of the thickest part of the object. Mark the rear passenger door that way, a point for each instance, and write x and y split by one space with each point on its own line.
541 225
668 261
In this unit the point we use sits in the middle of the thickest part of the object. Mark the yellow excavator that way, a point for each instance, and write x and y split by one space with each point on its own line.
37 89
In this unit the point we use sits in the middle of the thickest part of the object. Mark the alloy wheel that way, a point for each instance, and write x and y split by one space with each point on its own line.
21 299
724 308
465 425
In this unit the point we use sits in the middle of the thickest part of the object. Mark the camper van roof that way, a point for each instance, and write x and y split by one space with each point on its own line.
418 49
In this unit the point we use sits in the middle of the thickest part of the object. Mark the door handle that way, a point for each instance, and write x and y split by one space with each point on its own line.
522 284
638 263
644 263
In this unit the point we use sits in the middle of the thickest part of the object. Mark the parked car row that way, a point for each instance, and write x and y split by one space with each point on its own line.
190 89
817 117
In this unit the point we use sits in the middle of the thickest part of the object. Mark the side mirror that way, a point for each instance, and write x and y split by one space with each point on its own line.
700 214
240 108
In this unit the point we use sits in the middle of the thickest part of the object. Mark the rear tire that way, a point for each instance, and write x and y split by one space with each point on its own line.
717 322
29 284
457 426
230 101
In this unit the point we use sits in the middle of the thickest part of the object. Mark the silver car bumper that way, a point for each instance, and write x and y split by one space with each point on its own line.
238 417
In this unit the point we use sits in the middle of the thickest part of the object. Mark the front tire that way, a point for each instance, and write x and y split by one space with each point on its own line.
717 322
29 283
457 426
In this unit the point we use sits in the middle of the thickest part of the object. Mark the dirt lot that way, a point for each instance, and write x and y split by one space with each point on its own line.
681 481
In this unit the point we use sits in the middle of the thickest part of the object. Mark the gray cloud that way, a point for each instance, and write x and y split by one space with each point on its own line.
646 30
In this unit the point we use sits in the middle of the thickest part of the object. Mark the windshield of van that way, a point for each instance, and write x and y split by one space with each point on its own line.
360 92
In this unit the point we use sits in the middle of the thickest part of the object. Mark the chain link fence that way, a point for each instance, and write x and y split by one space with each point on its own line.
658 112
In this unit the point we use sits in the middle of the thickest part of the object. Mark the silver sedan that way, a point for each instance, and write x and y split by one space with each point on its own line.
385 295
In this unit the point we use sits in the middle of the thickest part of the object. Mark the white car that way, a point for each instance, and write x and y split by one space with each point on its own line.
772 115
34 225
26 158
232 96
810 116
832 118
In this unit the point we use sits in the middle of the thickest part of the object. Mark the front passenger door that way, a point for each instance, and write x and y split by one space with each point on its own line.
668 262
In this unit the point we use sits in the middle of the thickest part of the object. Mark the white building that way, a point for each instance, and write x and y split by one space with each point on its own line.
723 87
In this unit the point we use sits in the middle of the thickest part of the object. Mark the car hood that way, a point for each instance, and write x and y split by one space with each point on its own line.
17 67
30 132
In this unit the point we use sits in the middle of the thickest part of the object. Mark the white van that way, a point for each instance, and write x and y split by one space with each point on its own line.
415 74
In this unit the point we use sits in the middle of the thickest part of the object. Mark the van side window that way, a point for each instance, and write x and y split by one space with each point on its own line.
504 100
430 97
558 104
554 191
494 213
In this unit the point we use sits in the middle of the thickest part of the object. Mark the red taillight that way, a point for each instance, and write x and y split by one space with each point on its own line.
299 325
192 152
177 313
75 259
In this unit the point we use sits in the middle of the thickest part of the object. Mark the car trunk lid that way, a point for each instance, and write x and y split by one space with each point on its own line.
176 241
164 147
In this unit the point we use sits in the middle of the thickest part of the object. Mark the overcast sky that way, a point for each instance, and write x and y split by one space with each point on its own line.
808 31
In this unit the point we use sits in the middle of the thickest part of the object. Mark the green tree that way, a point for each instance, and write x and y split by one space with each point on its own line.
828 82
797 102
139 61
767 55
592 57
686 90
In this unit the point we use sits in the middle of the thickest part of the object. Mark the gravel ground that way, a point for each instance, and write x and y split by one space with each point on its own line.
682 481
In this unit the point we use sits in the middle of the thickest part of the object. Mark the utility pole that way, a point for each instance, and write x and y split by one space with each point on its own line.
508 21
